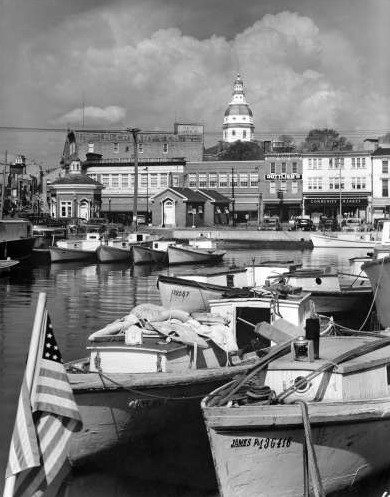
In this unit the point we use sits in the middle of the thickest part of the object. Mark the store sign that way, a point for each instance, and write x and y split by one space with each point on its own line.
333 201
282 176
189 129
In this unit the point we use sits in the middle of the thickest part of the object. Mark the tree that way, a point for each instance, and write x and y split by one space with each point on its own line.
288 140
325 139
241 151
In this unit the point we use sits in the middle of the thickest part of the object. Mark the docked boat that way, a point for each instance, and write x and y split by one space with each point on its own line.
16 240
139 391
46 235
69 254
157 253
121 249
378 272
192 291
197 251
300 425
258 273
344 240
6 266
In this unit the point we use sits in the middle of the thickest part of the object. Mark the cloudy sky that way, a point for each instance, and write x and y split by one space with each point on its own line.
147 63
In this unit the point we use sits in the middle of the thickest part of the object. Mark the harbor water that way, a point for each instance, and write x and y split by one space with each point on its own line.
83 298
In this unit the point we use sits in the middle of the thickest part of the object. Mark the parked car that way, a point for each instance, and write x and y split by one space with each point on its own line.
304 224
351 224
271 224
328 224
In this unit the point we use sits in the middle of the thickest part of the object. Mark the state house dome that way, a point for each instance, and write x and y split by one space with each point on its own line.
238 118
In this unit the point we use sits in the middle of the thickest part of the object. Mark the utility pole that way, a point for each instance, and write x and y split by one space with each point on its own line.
233 199
134 132
260 208
3 184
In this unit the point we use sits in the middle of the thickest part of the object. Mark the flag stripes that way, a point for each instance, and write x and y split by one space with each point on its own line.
46 418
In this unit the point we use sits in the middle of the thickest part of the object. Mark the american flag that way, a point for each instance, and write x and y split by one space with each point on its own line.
45 420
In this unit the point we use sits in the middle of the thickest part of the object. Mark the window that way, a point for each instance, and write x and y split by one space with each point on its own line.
284 167
330 163
385 167
175 180
163 180
91 147
358 183
140 148
66 208
273 168
314 163
223 181
319 163
153 180
213 181
233 132
125 181
283 186
202 180
314 183
115 180
363 163
254 179
106 179
272 187
165 148
294 167
335 182
131 181
116 148
244 134
309 164
294 187
234 179
192 180
353 162
385 187
244 180
144 181
357 162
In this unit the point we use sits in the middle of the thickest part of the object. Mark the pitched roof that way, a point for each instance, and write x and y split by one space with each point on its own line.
381 151
188 193
76 179
215 196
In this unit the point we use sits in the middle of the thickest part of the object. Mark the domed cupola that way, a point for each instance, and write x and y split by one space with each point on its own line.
238 119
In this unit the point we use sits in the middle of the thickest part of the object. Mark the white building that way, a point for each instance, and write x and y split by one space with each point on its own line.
380 183
238 120
337 183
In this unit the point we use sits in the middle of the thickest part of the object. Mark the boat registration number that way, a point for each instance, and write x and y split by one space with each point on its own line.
180 293
261 443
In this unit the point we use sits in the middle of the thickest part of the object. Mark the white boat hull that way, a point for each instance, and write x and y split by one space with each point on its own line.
258 450
58 254
343 240
147 255
378 272
109 253
184 255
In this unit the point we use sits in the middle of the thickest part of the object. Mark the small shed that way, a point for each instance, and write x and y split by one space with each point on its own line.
185 207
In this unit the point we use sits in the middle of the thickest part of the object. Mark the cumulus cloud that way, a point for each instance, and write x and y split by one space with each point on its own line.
134 68
94 115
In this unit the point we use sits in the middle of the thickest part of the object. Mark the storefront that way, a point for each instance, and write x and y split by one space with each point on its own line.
332 204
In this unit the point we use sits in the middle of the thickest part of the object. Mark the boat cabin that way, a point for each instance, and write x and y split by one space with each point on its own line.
258 273
231 277
245 313
364 377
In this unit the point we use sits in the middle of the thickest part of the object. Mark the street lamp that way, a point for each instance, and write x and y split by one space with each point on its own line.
135 132
109 209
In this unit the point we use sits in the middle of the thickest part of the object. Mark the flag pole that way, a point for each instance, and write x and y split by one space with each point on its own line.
30 369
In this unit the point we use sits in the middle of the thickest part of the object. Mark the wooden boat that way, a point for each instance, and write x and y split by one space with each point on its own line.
121 249
293 427
47 235
16 240
140 403
68 254
186 254
332 294
378 272
344 240
258 273
192 291
6 265
157 253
